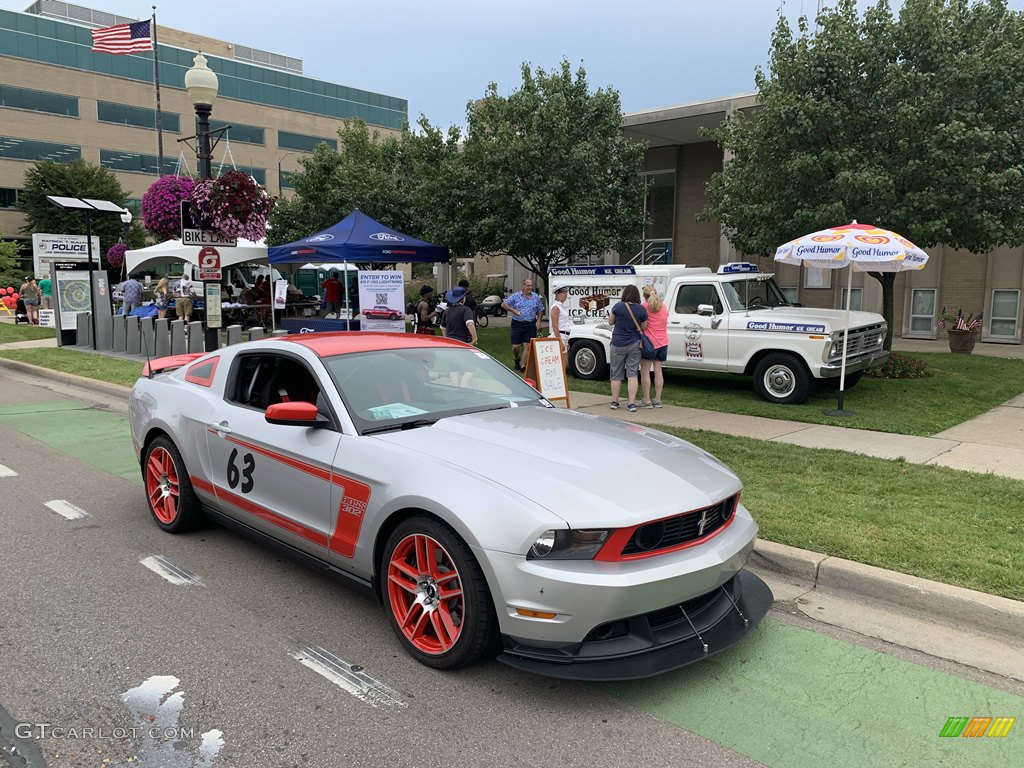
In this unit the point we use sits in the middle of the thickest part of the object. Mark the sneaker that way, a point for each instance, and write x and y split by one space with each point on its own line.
631 407
656 404
615 405
644 404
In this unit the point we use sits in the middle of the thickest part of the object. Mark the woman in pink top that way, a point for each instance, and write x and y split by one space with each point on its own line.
657 332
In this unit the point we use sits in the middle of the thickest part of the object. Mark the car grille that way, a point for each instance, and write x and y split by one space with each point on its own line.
861 341
682 529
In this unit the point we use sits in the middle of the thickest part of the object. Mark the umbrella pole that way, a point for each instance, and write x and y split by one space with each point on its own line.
839 410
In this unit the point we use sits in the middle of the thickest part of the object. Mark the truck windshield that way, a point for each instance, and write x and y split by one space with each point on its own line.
757 292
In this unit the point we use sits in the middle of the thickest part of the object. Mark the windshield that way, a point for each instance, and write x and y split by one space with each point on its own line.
757 292
398 388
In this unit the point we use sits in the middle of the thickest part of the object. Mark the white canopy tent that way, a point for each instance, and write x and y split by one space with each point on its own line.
173 252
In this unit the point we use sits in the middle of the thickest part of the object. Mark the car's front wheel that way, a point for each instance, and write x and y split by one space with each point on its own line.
782 378
435 595
169 492
586 360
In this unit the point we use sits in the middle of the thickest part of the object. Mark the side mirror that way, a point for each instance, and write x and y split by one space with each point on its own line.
705 309
298 414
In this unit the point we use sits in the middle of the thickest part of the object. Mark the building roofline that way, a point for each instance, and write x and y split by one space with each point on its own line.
691 109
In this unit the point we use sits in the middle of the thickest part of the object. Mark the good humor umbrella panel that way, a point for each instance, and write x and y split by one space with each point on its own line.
357 238
867 248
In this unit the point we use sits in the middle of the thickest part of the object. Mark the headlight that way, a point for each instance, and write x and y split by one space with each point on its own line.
835 350
567 545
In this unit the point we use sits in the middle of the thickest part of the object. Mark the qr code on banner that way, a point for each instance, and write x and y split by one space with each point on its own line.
382 298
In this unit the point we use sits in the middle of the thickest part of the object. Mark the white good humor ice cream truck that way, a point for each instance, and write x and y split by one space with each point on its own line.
735 320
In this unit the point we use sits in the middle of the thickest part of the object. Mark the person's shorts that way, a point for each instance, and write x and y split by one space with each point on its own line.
625 362
660 354
523 331
31 302
183 307
46 302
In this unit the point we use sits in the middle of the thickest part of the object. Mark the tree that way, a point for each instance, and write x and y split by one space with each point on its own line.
910 122
8 254
75 179
552 177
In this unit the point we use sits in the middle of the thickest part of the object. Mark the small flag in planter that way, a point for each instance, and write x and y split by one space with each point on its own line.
123 38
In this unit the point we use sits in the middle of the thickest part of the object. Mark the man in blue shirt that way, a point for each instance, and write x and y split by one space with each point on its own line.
527 310
132 289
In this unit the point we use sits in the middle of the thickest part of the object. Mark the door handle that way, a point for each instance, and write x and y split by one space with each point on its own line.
221 429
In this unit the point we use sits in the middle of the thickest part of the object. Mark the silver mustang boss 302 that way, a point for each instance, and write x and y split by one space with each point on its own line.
484 519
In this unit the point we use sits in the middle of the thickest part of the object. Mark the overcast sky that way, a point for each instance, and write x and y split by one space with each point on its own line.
442 53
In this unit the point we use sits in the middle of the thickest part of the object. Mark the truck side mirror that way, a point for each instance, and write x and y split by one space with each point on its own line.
705 309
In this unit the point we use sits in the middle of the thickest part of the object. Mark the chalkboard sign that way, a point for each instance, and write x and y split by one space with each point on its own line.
545 365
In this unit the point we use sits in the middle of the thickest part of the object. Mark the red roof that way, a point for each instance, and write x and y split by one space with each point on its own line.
347 342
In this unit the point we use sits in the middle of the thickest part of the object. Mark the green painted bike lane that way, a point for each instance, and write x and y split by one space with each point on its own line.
786 697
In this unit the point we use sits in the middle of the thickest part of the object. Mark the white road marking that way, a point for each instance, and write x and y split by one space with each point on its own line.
66 509
348 677
7 471
171 571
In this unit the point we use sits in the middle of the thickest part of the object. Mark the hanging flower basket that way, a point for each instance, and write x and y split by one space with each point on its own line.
234 205
115 254
161 205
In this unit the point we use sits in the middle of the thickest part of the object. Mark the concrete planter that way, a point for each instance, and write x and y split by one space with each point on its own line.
962 341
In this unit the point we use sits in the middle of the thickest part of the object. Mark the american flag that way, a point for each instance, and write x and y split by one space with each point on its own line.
123 38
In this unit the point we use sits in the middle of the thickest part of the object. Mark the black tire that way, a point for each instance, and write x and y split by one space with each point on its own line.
470 613
586 360
481 319
498 312
781 377
172 500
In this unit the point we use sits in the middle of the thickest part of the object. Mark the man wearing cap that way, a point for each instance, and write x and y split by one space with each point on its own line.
526 308
559 320
424 314
459 322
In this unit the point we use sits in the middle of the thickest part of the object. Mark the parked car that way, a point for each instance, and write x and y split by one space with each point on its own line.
485 520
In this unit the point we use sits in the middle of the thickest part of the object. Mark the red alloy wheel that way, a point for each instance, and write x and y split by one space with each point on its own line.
425 591
162 485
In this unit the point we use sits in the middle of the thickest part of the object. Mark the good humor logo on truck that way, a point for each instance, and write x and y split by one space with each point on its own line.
767 325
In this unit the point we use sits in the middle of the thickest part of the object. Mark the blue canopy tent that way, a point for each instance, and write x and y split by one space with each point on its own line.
356 239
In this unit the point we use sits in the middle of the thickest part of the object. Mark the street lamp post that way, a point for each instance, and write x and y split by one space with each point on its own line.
201 84
280 190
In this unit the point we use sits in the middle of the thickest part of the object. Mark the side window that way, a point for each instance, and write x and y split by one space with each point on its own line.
692 296
263 380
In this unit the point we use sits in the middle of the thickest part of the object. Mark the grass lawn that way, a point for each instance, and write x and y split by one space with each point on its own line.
86 364
9 332
960 388
956 527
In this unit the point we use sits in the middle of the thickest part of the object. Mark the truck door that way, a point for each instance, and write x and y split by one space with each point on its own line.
696 341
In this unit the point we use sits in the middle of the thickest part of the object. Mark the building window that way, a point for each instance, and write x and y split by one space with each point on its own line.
244 134
140 117
302 142
14 148
8 197
38 101
855 299
791 292
134 162
922 310
284 180
259 174
1005 309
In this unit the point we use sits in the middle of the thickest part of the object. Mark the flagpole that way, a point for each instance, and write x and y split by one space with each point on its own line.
159 116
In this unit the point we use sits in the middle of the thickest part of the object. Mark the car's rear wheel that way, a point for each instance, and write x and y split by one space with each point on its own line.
436 596
169 491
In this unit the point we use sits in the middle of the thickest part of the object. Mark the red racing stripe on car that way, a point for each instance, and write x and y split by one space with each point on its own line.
302 466
261 512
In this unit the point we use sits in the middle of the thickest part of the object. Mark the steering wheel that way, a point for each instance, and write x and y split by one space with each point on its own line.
755 301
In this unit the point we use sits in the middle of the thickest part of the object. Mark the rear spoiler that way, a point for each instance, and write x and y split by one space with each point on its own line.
169 363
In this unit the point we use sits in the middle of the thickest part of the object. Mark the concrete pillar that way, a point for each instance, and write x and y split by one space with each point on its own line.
104 338
234 334
195 337
83 336
162 332
120 329
281 333
147 339
131 335
177 337
256 332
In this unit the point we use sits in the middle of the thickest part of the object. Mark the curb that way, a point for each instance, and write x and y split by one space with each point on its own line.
102 387
931 600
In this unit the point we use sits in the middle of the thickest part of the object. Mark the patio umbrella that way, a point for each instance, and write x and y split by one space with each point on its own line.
861 247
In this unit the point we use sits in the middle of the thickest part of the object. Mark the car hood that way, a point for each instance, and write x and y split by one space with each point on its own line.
832 319
589 470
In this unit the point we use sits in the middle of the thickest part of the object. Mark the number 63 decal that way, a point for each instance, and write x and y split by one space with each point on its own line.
245 475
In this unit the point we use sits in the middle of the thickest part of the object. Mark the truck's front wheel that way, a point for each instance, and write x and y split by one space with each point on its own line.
586 360
782 378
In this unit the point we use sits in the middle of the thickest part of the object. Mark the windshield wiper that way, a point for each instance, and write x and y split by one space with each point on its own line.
401 425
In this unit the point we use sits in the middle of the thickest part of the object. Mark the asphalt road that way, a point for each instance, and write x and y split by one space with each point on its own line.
124 646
